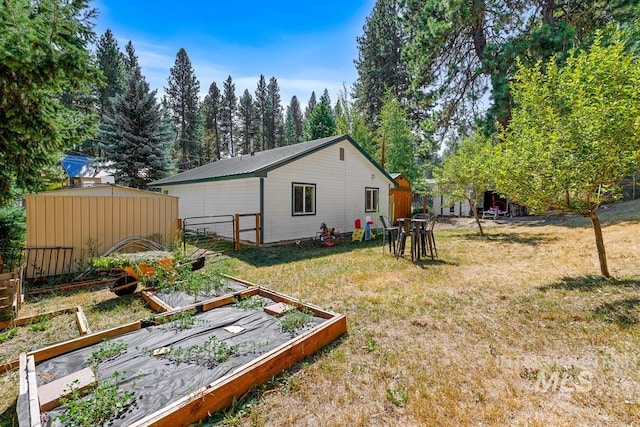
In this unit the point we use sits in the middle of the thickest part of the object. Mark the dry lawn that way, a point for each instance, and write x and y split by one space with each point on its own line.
513 329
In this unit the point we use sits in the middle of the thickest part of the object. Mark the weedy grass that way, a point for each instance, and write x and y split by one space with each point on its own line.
516 328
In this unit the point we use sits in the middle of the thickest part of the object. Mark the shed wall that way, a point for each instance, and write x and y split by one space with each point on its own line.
77 221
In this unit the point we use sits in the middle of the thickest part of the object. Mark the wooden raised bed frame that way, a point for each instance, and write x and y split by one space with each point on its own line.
198 405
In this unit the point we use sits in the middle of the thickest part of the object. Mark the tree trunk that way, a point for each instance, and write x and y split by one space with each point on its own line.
602 255
474 208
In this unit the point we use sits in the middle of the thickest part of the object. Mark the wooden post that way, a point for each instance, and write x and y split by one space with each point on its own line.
237 234
258 229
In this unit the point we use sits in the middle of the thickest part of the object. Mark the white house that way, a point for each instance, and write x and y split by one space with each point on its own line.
295 188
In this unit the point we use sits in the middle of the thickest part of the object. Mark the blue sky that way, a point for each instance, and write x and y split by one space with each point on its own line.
306 45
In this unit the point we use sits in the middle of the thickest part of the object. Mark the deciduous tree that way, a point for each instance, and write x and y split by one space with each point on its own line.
574 133
395 139
467 173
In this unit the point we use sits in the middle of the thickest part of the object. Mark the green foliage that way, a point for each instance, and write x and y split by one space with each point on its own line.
380 64
211 110
227 115
321 122
213 351
8 334
295 319
273 115
41 323
43 54
261 114
104 402
182 100
467 173
575 132
293 123
395 133
13 226
183 319
183 279
131 259
111 63
398 396
253 302
132 133
458 51
246 119
106 350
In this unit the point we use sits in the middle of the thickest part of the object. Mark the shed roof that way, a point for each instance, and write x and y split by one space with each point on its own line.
259 163
103 190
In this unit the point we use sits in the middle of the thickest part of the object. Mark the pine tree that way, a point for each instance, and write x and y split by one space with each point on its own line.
246 115
212 112
321 122
380 64
228 110
293 123
182 99
111 62
310 106
261 113
273 115
133 133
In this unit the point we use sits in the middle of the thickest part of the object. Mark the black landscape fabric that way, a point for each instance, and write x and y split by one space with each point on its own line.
156 381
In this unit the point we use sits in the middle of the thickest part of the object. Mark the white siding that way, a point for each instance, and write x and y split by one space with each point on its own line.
442 206
228 197
340 193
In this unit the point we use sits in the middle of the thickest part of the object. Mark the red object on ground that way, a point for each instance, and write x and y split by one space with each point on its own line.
358 224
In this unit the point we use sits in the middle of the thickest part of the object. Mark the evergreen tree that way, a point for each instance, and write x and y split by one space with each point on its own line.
212 113
321 122
310 106
43 53
273 115
246 115
228 113
261 114
182 99
133 133
380 65
293 124
112 64
459 51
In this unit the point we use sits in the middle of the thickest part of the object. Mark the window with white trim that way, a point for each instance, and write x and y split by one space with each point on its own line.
303 199
371 199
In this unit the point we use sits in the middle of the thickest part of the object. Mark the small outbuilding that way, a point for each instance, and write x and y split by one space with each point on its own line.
294 188
401 198
65 227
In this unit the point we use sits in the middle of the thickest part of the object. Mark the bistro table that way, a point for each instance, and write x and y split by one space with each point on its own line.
421 237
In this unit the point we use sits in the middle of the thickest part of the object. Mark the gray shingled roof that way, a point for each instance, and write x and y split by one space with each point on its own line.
257 164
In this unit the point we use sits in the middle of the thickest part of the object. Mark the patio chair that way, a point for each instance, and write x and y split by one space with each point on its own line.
431 241
389 232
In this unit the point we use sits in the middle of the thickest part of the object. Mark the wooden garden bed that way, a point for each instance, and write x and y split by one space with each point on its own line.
208 387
